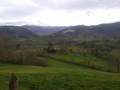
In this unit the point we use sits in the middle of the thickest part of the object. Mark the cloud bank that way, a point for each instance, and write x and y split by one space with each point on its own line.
59 12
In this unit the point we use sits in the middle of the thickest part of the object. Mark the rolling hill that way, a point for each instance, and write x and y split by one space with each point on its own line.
98 32
74 33
16 32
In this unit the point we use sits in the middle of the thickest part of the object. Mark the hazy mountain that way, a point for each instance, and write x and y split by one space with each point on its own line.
75 33
15 32
43 30
103 31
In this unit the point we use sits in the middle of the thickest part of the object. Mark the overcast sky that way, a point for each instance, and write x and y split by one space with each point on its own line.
59 12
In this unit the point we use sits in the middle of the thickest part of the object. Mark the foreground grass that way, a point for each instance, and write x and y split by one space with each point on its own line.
59 77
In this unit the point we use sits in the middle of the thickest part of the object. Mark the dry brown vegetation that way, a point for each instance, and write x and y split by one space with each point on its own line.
19 55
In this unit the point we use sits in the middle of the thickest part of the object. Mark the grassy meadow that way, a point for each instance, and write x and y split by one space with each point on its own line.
59 75
51 66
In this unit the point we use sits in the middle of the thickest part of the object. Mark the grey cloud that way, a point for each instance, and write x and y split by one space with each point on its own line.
79 4
9 10
4 3
16 12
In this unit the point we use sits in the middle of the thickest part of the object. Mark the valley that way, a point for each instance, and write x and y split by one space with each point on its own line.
61 58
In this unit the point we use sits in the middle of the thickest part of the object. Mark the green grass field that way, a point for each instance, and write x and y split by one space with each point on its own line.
83 60
59 76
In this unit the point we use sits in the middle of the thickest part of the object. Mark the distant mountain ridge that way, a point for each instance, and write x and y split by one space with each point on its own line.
96 32
75 33
43 30
16 32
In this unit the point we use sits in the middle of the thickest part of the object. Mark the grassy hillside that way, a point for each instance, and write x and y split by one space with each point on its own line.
65 66
59 76
89 61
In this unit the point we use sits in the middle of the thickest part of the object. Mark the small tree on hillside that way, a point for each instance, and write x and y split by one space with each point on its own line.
51 48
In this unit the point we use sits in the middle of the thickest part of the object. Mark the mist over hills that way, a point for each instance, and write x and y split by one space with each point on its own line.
43 30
